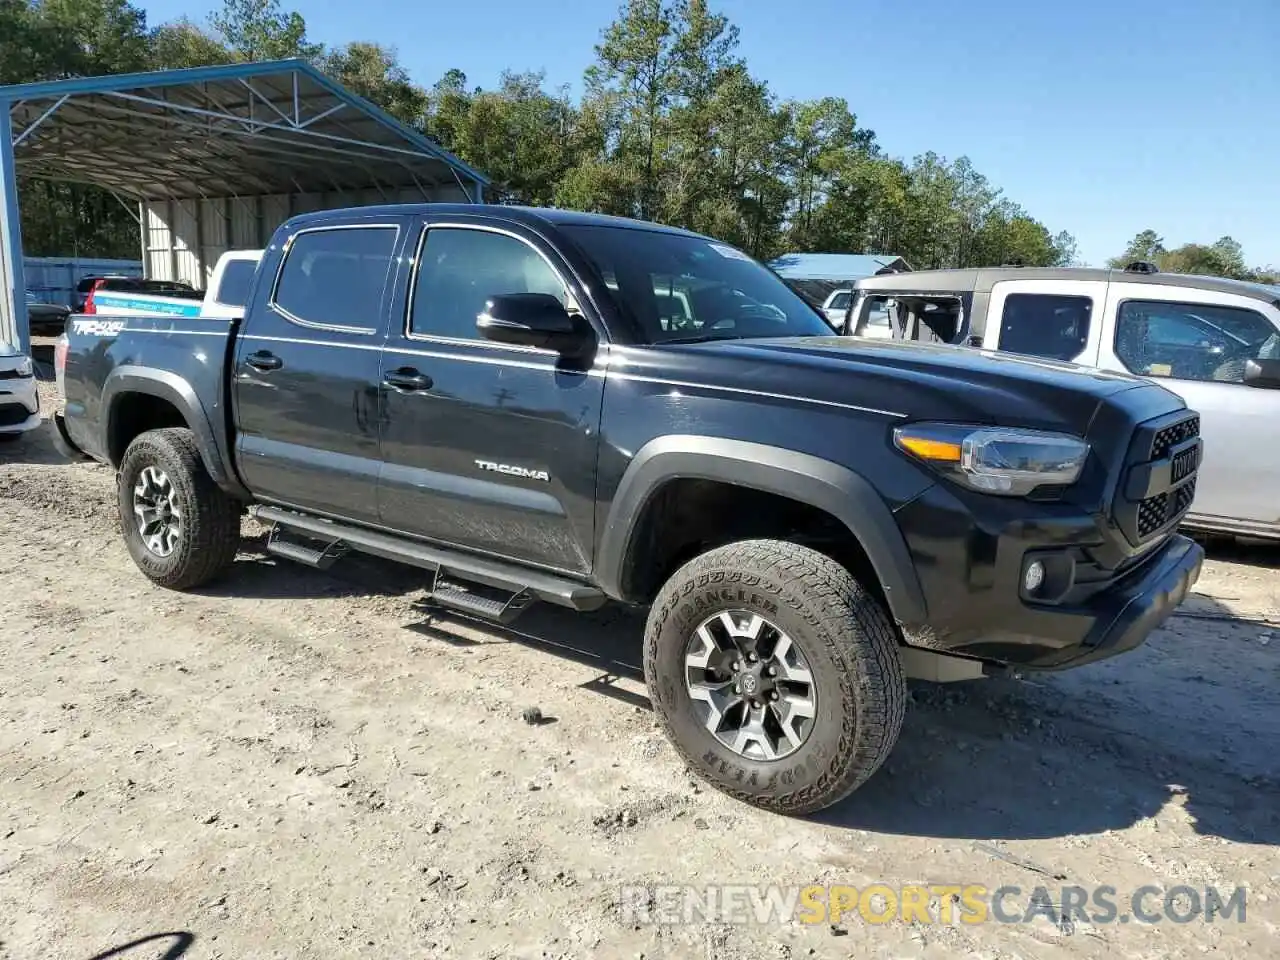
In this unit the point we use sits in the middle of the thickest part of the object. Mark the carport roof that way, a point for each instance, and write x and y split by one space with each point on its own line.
837 267
244 129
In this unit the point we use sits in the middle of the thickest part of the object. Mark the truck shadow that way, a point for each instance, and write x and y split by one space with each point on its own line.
160 946
35 447
1182 729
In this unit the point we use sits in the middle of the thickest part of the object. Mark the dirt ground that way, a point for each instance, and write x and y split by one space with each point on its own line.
302 765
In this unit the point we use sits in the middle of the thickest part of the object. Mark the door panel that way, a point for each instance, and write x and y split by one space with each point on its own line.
1052 319
1171 335
305 382
498 453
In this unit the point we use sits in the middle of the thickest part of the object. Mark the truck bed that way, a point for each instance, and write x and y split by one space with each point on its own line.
182 360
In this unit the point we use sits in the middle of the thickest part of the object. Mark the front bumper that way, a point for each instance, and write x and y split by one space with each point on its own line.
1123 615
19 405
971 575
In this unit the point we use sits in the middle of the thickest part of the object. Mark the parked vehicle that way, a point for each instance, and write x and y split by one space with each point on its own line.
875 325
225 296
46 319
1214 342
135 296
229 286
55 279
510 399
836 306
19 401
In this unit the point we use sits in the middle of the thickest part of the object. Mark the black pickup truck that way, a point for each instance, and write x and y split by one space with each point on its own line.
544 405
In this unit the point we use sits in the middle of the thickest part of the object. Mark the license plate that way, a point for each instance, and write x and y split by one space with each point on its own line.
1184 464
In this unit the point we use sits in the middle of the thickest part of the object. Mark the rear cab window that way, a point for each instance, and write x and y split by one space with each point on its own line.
336 277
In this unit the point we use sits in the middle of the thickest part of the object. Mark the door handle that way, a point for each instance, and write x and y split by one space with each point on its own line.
407 378
264 360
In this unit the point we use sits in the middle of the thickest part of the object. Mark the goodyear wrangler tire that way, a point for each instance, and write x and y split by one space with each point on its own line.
181 529
775 674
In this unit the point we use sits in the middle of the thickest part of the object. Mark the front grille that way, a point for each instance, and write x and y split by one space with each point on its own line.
1160 481
1152 514
1170 437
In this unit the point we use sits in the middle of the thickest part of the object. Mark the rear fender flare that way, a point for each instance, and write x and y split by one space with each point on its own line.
832 488
127 380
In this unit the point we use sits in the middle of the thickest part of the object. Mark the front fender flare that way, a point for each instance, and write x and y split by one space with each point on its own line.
829 487
129 379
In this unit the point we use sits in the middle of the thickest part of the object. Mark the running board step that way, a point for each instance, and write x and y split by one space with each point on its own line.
321 559
478 602
507 577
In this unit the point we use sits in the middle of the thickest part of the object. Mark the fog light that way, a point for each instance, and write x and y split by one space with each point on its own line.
1033 576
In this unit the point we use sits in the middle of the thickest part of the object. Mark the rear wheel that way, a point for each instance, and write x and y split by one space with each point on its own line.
181 529
775 674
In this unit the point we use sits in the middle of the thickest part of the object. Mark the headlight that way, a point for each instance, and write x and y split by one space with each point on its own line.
1000 460
25 367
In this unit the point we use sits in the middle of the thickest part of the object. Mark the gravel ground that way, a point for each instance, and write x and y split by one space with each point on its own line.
300 764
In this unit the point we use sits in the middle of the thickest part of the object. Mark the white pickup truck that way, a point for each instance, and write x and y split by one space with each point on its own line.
1212 341
225 296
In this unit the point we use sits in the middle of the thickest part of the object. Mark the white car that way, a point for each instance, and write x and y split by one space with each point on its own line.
19 402
877 327
1214 342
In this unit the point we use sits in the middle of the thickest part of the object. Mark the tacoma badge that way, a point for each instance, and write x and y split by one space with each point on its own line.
511 471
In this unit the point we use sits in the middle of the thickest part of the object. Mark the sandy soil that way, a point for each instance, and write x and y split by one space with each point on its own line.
298 764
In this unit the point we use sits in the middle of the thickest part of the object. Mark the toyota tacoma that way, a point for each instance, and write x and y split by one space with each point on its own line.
539 405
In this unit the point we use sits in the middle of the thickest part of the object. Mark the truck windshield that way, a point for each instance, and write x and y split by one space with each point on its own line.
681 289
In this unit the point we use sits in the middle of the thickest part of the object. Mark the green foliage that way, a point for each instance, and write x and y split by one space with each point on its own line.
374 73
183 44
1223 258
672 126
261 30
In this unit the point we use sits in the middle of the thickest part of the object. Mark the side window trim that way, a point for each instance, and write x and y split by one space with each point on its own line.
411 294
331 228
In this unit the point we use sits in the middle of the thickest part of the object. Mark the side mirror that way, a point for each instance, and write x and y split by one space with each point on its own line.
535 320
1262 373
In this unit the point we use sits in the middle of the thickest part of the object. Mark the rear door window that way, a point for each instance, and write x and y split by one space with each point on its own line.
335 277
1052 326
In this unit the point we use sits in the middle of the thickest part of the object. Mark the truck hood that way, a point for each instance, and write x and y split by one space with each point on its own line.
922 381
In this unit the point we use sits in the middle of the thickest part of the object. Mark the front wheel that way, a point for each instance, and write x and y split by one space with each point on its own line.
181 529
775 674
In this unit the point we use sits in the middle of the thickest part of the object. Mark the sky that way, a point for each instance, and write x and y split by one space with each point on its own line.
1100 118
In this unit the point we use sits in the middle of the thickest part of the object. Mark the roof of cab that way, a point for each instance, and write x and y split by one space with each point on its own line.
530 216
983 279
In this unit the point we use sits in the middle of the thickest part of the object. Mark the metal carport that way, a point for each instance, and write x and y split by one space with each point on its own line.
214 158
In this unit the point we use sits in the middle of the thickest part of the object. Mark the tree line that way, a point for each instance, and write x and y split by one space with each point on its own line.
671 126
1222 258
